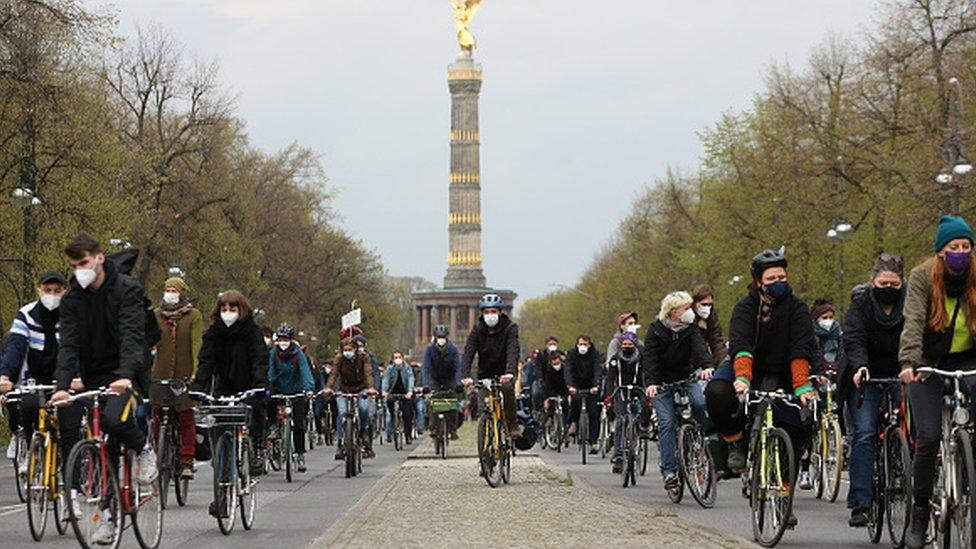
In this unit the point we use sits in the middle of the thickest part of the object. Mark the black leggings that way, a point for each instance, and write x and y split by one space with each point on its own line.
724 408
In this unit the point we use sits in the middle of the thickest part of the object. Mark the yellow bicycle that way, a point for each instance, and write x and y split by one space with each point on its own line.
44 483
494 439
827 446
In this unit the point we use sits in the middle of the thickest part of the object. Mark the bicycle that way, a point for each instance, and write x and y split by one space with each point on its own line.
695 467
554 424
605 440
379 419
633 396
19 440
94 476
440 405
286 424
771 470
892 501
494 439
352 438
229 418
583 430
328 422
952 500
396 416
827 447
164 394
43 465
311 426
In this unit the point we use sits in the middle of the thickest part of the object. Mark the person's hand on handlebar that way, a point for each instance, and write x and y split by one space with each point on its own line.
651 391
706 374
908 375
572 390
861 375
467 382
120 385
5 384
327 391
408 395
741 387
507 378
59 396
594 390
77 384
807 398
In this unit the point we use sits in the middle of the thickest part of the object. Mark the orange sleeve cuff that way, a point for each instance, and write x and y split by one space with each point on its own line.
743 366
801 372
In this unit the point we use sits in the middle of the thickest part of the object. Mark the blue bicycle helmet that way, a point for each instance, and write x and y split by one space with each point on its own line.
490 301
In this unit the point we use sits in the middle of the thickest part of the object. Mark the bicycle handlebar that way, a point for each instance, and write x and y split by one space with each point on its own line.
955 374
229 399
288 397
672 385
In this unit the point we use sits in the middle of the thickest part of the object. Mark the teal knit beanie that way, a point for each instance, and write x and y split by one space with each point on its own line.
952 227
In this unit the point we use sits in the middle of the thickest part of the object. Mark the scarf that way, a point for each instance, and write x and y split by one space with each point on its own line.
955 283
829 340
173 313
676 327
885 320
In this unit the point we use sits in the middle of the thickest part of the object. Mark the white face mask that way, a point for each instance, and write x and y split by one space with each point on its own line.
826 323
398 361
705 311
633 328
557 367
583 349
51 301
229 317
85 277
552 348
283 345
267 342
688 316
348 354
441 342
171 298
491 320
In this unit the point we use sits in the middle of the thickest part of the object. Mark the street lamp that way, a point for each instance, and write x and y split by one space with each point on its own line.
953 152
838 234
176 271
735 280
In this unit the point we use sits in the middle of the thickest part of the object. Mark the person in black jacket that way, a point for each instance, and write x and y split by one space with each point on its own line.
872 330
554 385
671 344
584 375
494 340
624 369
233 359
103 337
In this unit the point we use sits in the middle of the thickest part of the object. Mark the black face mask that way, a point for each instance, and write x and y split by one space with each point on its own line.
628 351
887 296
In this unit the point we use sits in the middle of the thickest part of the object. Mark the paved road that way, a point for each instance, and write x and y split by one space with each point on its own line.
288 515
820 524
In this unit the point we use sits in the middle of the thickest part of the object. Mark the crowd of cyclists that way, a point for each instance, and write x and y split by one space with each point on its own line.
96 341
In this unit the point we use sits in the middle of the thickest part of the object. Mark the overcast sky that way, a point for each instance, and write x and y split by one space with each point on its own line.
583 104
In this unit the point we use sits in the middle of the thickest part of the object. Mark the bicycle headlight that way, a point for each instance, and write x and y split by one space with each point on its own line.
686 414
287 410
207 422
960 416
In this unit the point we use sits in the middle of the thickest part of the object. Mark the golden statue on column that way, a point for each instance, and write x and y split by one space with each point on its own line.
464 11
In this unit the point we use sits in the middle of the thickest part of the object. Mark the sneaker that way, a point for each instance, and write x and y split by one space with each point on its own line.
737 456
572 430
12 448
104 534
420 432
218 509
805 483
593 450
301 463
517 430
321 440
918 530
369 454
75 503
617 465
671 481
186 473
859 518
792 522
146 463
257 465
340 455
453 435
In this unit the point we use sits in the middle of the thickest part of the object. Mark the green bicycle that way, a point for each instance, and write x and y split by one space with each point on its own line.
771 471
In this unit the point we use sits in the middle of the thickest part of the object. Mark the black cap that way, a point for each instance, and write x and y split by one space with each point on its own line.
52 276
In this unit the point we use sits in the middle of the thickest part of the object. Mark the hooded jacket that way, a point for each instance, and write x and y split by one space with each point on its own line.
583 371
29 351
443 365
405 371
668 354
233 358
289 372
354 375
497 349
103 332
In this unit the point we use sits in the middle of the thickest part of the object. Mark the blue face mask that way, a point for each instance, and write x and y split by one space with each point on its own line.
777 289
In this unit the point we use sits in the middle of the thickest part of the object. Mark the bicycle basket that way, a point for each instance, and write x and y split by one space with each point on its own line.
224 416
440 405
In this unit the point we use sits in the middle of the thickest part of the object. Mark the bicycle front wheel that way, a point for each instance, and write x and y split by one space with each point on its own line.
163 449
583 435
695 464
772 485
95 484
146 510
488 451
287 450
963 512
21 447
818 446
225 489
37 492
833 460
247 488
876 517
898 484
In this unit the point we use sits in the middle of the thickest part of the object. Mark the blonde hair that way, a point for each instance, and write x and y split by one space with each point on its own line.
672 301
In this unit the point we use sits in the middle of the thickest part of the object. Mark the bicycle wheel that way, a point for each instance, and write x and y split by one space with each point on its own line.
147 510
816 467
962 509
274 452
695 465
876 518
645 450
36 490
398 430
583 435
443 436
225 489
627 466
898 483
488 450
162 448
833 460
311 433
180 485
246 488
21 447
287 451
772 485
61 519
95 494
604 434
557 419
351 446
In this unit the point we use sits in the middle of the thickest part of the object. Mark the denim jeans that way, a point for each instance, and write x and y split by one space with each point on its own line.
592 411
421 413
406 410
367 409
864 446
667 422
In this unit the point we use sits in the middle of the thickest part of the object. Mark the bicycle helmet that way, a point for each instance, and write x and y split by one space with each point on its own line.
489 301
285 331
767 260
441 331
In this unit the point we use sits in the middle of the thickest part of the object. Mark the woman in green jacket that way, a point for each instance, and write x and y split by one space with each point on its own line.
940 320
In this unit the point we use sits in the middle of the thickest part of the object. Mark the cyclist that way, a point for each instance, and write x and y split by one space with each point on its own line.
827 331
626 322
442 371
770 340
625 369
354 373
398 385
234 359
177 353
554 386
31 352
289 373
671 343
706 319
940 320
103 336
584 375
320 375
872 329
494 340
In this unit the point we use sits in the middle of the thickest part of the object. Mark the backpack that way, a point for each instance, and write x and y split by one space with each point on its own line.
530 431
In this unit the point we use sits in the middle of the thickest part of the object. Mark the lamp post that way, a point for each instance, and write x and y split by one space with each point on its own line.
28 198
956 164
837 234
